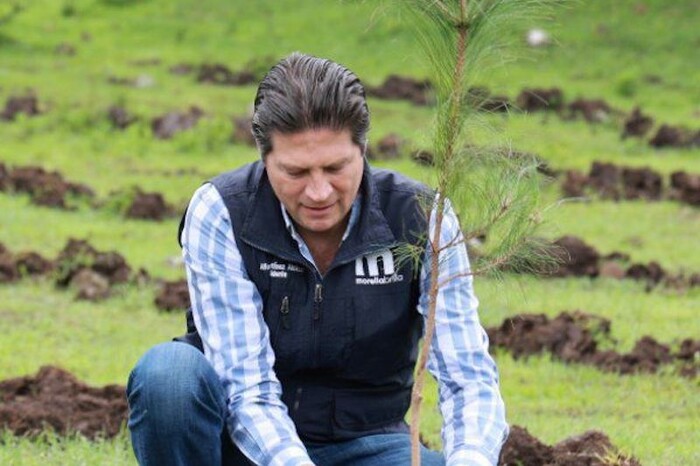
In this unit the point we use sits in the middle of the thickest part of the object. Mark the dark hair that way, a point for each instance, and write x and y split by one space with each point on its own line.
302 92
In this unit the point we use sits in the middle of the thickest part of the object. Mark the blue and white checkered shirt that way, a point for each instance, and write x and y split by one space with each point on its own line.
227 310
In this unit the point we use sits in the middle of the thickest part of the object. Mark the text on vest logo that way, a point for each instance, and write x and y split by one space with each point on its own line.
376 269
280 270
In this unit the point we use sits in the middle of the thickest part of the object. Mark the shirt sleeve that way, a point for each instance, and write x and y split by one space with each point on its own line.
474 425
227 310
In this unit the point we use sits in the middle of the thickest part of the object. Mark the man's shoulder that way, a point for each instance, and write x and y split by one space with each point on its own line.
243 179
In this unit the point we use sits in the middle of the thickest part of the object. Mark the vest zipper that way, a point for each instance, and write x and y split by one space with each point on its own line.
284 311
318 298
297 400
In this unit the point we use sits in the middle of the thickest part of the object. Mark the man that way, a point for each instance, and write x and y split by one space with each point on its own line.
306 317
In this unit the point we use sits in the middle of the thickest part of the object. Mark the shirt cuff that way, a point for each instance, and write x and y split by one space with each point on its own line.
468 458
290 456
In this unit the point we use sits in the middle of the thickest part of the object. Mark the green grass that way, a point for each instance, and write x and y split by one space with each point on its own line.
618 51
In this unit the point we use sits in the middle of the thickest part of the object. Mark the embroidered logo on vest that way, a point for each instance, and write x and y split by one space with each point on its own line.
376 269
280 270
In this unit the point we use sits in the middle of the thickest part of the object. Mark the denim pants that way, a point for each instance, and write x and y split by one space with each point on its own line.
177 413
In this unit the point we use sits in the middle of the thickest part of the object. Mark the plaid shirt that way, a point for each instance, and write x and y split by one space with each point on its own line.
227 310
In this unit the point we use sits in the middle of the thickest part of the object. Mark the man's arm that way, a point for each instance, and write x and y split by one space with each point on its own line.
227 310
474 426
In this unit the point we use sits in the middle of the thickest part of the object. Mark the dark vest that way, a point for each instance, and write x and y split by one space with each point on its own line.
346 343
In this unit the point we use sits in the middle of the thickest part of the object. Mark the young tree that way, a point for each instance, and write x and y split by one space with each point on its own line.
494 190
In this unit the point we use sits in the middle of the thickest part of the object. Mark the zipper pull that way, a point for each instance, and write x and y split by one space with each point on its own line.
318 297
284 310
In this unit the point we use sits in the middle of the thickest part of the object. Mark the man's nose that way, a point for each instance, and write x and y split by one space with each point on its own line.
318 189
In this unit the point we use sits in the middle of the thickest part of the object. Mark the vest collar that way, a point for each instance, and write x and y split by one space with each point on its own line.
264 227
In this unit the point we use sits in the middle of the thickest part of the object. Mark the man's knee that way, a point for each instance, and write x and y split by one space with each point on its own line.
171 376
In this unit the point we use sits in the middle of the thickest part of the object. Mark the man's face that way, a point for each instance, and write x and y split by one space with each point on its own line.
316 175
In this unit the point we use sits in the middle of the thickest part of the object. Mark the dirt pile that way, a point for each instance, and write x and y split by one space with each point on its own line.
575 258
574 337
389 147
149 206
675 136
539 100
615 182
120 117
27 104
243 131
685 188
15 266
637 124
217 73
45 188
592 110
480 97
592 448
173 296
397 87
423 157
168 125
91 272
55 399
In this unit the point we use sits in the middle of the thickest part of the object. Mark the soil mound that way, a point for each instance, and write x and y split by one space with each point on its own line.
575 258
404 88
173 296
592 448
55 399
637 124
423 157
148 206
14 267
480 97
119 117
610 181
387 148
91 271
685 187
574 338
538 100
27 104
47 189
216 73
593 111
668 136
168 125
243 131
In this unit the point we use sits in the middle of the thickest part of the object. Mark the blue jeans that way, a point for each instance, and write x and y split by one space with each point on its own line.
177 416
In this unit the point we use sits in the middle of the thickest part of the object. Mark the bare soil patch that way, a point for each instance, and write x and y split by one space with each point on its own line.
168 125
15 266
55 399
616 182
173 296
45 188
217 73
27 104
575 337
592 448
397 87
243 131
91 272
149 206
540 99
120 117
637 124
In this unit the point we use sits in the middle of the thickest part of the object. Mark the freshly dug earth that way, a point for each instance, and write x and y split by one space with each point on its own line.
592 448
403 88
27 104
56 400
574 338
168 125
173 296
48 189
149 206
15 266
91 271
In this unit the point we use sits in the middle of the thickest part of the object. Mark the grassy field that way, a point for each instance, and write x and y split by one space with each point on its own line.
628 52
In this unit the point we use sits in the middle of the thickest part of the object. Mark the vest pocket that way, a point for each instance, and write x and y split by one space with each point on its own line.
286 332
